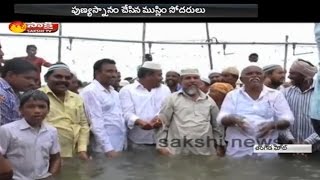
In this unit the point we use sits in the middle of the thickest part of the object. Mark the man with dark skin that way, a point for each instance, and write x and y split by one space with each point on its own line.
215 77
253 57
75 84
230 75
299 98
17 75
67 112
116 83
172 81
246 114
103 107
6 172
141 101
274 76
36 61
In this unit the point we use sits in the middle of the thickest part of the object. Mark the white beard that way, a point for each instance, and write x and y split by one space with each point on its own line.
192 91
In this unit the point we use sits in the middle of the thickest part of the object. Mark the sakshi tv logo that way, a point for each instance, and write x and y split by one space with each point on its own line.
33 27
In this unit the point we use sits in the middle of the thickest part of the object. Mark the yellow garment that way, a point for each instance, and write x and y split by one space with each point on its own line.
70 120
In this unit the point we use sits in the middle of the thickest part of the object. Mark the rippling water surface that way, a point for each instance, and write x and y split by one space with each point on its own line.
145 166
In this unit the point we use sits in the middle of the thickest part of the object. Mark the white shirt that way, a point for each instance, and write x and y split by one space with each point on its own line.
106 118
270 106
28 149
138 103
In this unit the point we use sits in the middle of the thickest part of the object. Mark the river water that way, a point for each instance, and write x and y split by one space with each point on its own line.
144 166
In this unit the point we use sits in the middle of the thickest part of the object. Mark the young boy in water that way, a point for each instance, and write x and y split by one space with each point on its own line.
30 145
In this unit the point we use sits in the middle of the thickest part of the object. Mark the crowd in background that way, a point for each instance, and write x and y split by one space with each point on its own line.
186 113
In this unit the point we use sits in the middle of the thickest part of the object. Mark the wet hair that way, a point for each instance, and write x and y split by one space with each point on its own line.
17 66
253 54
128 78
98 65
31 46
79 83
50 72
148 57
144 72
34 95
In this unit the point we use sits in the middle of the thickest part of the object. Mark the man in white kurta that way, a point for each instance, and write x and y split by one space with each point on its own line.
102 105
141 102
189 120
253 114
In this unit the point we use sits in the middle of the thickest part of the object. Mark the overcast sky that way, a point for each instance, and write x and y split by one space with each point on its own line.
83 54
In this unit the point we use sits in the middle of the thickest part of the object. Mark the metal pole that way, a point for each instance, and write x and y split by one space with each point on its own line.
59 43
157 42
285 54
143 41
209 46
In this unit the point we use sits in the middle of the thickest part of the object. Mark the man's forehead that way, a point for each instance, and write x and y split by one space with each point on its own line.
191 76
172 72
62 72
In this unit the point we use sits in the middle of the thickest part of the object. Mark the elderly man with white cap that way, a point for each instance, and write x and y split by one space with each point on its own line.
253 115
299 98
189 121
141 102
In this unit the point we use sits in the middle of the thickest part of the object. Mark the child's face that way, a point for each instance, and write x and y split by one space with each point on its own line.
34 111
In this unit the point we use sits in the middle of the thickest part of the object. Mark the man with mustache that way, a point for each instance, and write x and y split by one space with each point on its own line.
274 76
253 114
189 115
102 104
17 76
141 102
172 81
66 112
299 98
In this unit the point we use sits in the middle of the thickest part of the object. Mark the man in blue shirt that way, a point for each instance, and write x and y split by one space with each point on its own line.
17 75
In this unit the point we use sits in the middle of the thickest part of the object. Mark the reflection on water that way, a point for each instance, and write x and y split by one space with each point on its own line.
144 166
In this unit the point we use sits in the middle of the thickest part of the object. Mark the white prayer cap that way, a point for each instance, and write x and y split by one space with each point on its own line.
124 83
214 70
231 70
206 80
175 71
151 65
189 72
